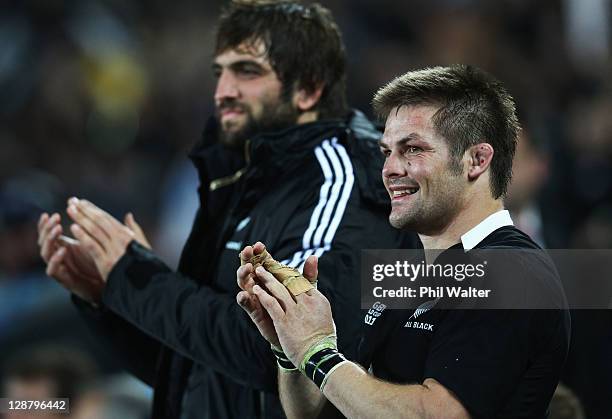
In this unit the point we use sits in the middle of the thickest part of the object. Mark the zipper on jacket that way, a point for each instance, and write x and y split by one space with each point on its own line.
228 180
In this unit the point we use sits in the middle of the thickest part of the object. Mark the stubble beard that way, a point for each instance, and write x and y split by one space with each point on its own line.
429 216
275 116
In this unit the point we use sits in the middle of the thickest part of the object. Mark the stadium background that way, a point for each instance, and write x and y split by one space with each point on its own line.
103 98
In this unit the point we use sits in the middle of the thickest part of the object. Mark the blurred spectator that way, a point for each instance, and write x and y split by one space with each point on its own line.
595 232
529 174
45 372
23 284
119 396
589 128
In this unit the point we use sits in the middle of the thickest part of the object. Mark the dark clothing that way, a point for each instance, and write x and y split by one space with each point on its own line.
312 189
499 363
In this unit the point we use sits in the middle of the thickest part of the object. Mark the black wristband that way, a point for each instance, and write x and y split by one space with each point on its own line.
321 364
283 361
310 369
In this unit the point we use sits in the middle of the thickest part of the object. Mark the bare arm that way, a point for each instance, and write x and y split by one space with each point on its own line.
299 396
359 395
300 324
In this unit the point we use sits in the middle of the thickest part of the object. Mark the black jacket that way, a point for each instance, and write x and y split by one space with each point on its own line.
312 189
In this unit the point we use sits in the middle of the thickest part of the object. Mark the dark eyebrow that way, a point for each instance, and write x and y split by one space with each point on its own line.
243 63
238 64
410 137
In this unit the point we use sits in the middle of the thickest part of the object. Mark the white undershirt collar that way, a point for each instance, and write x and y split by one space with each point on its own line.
485 227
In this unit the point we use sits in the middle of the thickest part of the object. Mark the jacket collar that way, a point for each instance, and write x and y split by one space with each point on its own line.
212 159
273 153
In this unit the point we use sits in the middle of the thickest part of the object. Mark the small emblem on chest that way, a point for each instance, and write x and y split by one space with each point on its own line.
374 313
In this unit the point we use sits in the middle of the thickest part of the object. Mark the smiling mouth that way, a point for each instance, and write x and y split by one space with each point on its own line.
399 193
230 112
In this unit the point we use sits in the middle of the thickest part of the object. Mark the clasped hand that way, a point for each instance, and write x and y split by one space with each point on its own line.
82 264
294 324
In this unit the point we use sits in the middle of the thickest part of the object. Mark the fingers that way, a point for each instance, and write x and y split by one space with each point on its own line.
54 263
59 270
311 269
48 235
245 300
270 304
258 248
278 290
96 213
86 224
242 299
98 223
245 277
41 221
129 221
249 251
45 225
138 232
68 241
50 245
91 246
246 254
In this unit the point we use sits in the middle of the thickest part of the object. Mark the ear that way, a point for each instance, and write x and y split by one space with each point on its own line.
306 99
480 157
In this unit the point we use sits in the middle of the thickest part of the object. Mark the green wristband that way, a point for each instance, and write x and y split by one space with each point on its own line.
328 342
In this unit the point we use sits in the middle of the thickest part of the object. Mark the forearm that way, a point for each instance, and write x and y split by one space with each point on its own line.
359 395
299 396
352 391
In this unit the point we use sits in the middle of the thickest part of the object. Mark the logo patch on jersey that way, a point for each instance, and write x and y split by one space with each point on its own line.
424 308
374 313
418 325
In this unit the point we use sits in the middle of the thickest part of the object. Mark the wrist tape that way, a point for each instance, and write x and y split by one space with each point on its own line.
321 360
284 364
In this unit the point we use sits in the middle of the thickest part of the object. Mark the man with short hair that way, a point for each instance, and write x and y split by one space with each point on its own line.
285 161
449 141
45 372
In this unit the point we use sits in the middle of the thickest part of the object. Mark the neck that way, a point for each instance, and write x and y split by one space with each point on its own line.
308 116
477 208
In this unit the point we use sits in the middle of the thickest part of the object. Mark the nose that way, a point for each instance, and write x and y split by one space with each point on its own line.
226 87
394 167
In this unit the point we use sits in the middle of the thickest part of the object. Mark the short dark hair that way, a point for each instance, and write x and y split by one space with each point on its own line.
303 44
473 107
70 370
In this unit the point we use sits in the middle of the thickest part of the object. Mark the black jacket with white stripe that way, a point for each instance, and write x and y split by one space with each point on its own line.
312 189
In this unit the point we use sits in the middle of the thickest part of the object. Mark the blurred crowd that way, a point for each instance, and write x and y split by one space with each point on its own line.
102 99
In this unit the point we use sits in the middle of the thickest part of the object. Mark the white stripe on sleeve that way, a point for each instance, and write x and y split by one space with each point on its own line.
333 199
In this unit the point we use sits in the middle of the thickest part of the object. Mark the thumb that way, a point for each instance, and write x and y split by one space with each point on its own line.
311 269
139 235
